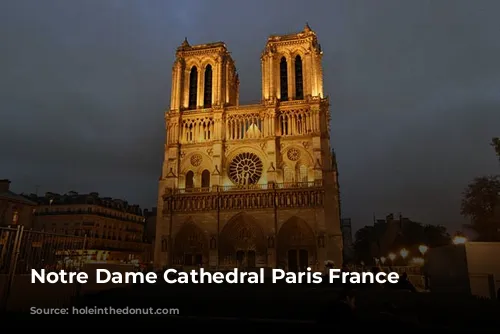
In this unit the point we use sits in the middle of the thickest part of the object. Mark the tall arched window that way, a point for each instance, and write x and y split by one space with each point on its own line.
193 88
288 174
284 79
189 180
299 82
302 172
207 92
205 179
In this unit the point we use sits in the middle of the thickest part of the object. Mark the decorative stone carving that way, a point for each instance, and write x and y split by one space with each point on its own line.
196 159
305 144
183 154
293 154
210 151
245 169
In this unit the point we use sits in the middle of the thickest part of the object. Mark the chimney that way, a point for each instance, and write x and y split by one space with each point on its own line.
4 185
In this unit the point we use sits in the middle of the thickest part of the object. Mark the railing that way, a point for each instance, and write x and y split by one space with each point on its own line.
285 195
250 187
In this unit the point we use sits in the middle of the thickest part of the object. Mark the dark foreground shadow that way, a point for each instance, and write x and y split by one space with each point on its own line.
270 306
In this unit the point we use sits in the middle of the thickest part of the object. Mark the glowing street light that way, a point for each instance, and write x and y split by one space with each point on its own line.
382 260
392 257
403 253
423 249
459 240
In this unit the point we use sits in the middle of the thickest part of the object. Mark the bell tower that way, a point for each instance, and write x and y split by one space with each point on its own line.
203 76
291 67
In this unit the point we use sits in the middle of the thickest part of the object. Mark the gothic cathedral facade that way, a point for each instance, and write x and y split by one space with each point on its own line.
249 185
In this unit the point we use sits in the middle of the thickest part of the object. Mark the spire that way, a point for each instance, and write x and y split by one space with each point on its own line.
307 28
185 44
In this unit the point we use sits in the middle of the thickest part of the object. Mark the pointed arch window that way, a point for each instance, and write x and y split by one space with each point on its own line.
284 79
299 81
189 180
205 179
207 92
302 173
193 88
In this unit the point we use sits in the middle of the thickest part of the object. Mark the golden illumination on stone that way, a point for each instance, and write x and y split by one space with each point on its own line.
253 184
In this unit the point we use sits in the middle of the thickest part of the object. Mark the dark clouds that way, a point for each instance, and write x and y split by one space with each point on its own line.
414 88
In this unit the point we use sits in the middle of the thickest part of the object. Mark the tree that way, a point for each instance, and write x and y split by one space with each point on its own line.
495 142
384 237
480 200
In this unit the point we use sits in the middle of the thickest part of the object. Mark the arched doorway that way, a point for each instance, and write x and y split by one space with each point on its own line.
242 244
190 246
296 245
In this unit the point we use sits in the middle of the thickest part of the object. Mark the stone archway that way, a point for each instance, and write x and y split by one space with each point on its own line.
190 246
242 243
296 245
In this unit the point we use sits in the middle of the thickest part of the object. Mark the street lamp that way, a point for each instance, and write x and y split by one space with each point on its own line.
392 257
382 260
423 249
403 253
459 240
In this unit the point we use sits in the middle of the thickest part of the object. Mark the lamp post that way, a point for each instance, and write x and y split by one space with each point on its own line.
459 240
423 249
404 253
392 257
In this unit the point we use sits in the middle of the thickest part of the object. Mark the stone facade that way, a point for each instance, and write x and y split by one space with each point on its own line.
249 185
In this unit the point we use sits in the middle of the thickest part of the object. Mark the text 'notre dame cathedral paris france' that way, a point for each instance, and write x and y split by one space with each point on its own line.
247 186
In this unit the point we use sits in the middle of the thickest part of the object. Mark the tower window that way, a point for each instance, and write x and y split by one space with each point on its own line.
284 79
299 83
207 93
193 88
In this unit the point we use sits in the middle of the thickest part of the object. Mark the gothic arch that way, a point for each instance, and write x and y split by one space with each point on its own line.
190 246
296 244
208 79
195 61
298 51
242 242
290 154
189 158
284 79
195 162
193 79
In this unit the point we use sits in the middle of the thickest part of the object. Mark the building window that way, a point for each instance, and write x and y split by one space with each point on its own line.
299 83
189 180
284 79
207 93
205 179
193 88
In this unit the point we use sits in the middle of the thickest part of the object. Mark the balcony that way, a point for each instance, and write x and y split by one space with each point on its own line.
252 197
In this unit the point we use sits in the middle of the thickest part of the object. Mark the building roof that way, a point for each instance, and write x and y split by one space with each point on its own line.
74 198
10 196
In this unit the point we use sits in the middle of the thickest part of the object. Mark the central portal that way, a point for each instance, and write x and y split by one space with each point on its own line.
242 244
298 260
296 246
246 259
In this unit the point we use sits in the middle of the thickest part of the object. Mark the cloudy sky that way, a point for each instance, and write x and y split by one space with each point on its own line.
415 87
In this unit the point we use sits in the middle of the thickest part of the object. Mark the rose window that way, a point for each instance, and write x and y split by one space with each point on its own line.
293 154
196 159
245 169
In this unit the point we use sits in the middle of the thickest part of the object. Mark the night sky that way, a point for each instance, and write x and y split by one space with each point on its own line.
414 86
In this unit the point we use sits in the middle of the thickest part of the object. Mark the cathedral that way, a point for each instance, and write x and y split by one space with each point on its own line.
254 185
